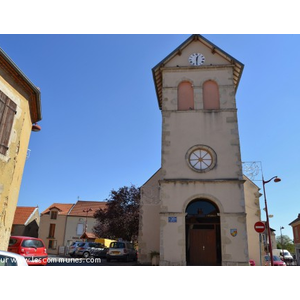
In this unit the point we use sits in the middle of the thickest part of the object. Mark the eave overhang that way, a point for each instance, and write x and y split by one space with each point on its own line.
20 78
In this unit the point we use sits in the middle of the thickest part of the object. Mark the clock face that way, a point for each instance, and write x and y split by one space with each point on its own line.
201 158
196 59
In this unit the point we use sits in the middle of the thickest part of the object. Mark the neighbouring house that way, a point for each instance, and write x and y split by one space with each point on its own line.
62 224
52 226
20 109
26 221
81 220
296 234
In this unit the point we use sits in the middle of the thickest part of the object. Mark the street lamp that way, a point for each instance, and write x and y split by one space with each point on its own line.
276 179
282 242
87 210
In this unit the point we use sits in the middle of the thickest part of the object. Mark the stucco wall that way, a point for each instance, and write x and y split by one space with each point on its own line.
59 234
71 227
12 164
256 249
228 196
149 222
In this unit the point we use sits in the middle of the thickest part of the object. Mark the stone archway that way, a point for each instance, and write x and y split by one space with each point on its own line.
203 236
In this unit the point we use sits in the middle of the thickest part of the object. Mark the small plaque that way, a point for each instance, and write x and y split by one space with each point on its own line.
172 219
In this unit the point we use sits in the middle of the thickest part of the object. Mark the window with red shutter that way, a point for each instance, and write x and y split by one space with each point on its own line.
8 110
211 96
185 96
51 230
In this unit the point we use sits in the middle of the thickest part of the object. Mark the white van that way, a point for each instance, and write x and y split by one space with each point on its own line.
286 255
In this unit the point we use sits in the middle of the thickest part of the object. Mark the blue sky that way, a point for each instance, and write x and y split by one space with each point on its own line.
101 126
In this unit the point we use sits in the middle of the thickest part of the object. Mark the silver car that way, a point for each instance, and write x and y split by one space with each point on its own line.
121 250
87 249
73 248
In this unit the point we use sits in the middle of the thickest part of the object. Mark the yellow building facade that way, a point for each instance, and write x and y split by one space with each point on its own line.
20 108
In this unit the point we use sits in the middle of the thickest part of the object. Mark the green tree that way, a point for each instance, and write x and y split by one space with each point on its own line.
285 243
121 217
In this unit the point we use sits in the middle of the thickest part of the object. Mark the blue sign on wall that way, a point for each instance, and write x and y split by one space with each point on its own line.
172 219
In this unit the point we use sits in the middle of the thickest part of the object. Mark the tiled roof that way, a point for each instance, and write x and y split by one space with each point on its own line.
63 208
86 208
22 214
296 220
88 235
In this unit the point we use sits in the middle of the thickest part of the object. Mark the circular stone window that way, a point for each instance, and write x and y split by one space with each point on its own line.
201 158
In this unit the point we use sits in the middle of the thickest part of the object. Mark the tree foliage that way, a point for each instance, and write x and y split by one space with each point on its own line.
121 217
285 243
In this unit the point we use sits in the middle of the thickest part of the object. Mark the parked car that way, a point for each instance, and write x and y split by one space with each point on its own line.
12 259
87 249
32 249
121 251
73 248
287 257
276 261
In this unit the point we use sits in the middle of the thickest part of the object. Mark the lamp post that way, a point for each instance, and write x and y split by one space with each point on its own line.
87 210
282 242
276 179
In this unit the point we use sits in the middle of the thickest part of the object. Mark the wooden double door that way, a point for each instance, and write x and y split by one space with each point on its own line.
203 245
203 248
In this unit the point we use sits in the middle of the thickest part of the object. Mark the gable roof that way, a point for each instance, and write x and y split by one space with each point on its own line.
18 76
151 177
63 209
23 214
86 208
295 221
88 235
157 72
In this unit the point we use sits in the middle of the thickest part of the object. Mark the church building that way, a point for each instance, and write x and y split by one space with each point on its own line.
193 208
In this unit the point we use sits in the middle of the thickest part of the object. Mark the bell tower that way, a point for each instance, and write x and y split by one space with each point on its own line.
200 206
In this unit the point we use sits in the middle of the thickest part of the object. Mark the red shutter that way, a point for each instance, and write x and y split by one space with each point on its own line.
211 97
185 96
7 113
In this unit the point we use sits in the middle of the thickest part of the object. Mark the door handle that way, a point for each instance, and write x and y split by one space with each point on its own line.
203 248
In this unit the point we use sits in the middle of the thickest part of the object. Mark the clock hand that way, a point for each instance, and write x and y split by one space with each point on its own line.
197 59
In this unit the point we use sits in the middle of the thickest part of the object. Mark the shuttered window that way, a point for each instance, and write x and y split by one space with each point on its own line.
185 96
8 110
51 231
211 97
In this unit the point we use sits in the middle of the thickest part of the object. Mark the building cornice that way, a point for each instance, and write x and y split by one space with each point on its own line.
218 180
22 80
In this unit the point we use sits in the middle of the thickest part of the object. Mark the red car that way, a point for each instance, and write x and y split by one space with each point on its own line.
33 249
276 261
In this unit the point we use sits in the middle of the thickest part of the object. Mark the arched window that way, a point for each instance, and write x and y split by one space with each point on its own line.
202 208
211 96
185 96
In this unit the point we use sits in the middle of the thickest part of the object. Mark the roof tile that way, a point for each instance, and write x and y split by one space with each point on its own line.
22 214
86 208
63 208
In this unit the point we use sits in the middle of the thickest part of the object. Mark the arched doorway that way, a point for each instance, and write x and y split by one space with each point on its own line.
203 237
